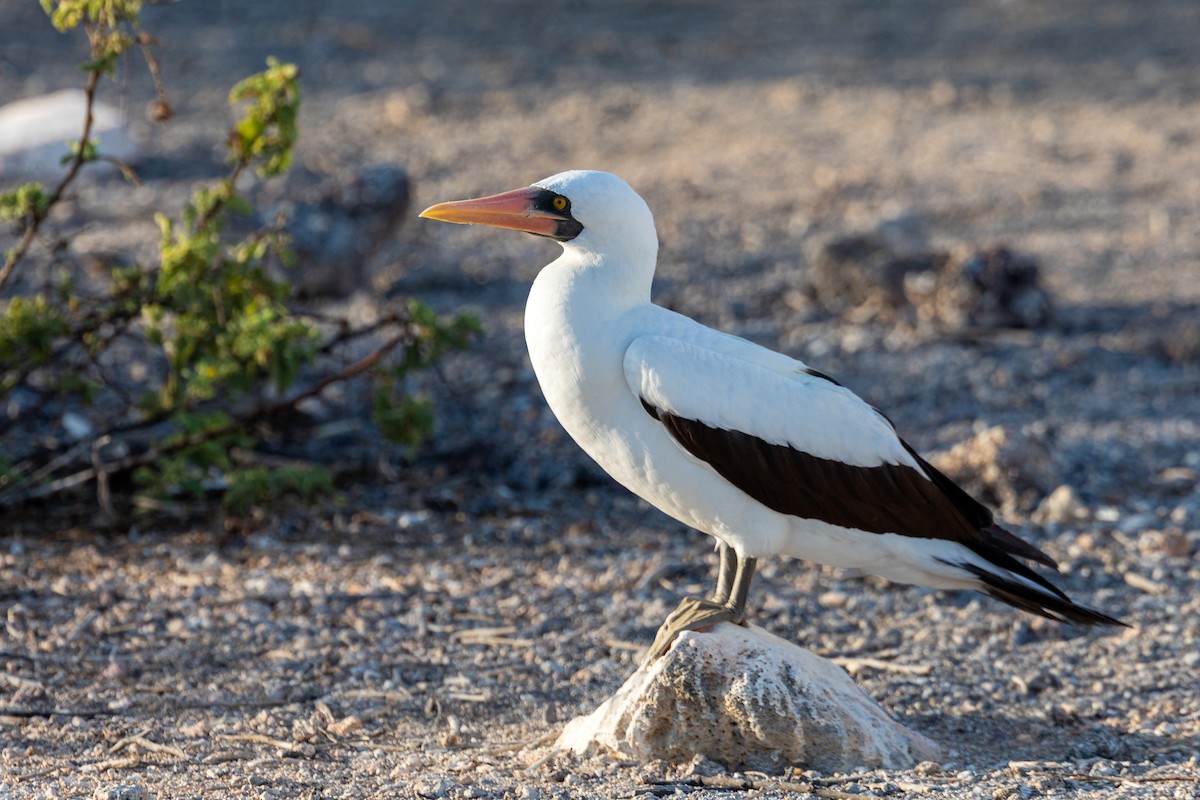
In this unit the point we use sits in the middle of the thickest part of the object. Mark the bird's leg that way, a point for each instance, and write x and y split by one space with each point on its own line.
741 588
694 614
724 573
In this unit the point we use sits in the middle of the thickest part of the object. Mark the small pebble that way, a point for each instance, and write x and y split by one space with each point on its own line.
833 599
120 793
436 789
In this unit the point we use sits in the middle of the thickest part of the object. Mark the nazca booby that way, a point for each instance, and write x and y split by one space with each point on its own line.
748 445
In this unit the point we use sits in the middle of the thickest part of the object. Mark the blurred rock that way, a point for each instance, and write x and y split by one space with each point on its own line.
76 425
1172 543
989 289
1030 630
1060 506
21 401
869 269
34 133
1177 480
893 270
338 224
749 701
1010 469
903 233
1136 523
1181 341
995 288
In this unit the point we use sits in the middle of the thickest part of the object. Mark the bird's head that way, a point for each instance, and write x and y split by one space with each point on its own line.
592 211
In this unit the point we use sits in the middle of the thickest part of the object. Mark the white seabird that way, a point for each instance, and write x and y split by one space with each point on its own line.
745 444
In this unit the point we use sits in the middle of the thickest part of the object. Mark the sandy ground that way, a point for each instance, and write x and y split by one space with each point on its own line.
423 637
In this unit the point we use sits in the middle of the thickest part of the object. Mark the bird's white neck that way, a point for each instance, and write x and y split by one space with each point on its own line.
595 287
577 327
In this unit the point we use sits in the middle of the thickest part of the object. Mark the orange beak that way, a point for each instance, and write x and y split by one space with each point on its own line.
518 210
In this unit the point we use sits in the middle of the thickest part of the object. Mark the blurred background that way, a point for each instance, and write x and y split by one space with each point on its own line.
982 216
838 180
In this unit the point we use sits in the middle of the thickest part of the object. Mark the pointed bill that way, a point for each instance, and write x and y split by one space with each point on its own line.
516 210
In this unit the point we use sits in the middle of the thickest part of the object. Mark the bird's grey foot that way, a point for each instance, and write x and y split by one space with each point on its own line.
693 614
728 604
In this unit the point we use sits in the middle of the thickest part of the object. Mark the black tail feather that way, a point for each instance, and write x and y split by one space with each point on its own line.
1011 543
1003 549
1056 606
992 537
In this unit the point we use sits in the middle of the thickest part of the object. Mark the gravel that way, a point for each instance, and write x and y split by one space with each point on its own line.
429 631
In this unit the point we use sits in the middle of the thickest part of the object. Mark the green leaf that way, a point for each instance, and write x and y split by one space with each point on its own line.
106 14
27 200
405 419
90 151
29 328
267 131
105 64
239 205
256 485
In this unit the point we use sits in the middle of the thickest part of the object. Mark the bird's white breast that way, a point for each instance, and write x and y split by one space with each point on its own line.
576 351
577 344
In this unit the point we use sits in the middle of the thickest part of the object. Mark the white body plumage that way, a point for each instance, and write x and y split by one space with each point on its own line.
735 440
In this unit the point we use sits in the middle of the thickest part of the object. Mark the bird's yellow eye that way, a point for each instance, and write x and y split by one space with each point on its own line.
559 203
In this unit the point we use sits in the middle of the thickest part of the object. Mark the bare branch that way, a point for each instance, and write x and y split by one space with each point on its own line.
101 471
39 215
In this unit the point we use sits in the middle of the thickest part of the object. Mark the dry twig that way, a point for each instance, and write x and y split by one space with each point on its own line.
18 682
1144 584
112 763
490 636
302 748
139 740
854 665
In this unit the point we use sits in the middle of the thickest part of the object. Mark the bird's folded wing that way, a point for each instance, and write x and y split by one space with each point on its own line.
800 408
795 441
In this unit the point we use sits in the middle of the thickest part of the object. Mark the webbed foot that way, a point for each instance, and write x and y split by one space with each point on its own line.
695 614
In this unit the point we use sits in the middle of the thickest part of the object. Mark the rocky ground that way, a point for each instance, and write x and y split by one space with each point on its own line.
429 632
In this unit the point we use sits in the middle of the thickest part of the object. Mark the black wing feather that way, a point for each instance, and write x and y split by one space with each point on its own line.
889 498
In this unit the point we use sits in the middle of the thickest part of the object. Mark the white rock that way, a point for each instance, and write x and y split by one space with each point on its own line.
34 133
748 700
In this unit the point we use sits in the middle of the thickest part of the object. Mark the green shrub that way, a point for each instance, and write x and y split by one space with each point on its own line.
209 312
